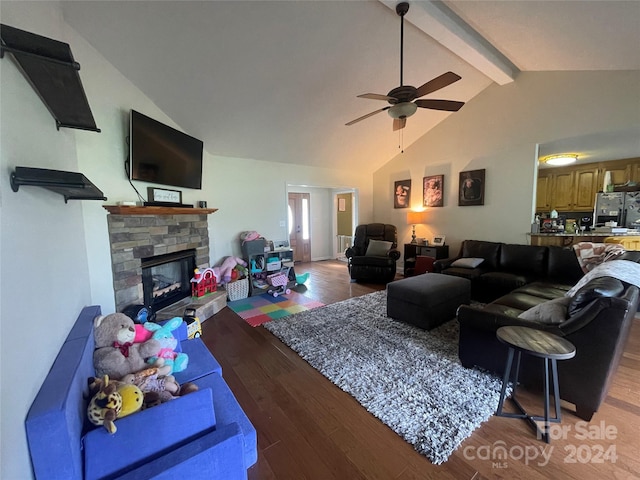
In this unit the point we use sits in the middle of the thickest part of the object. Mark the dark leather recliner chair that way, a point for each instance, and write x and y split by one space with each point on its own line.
373 262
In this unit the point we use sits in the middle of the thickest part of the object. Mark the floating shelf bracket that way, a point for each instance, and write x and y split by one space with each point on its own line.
49 67
71 185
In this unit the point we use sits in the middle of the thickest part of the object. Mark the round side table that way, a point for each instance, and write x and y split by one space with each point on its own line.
541 344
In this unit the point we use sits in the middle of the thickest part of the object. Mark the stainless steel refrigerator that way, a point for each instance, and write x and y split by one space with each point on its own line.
631 212
608 208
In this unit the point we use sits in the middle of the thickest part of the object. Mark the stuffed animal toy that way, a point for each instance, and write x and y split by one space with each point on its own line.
105 404
168 343
110 400
223 272
153 379
116 355
151 399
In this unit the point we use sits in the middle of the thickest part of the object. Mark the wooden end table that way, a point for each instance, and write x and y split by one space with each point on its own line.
541 344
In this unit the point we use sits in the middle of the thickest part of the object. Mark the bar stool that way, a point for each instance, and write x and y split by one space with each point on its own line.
541 344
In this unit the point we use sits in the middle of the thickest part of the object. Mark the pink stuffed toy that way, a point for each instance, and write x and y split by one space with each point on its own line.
223 272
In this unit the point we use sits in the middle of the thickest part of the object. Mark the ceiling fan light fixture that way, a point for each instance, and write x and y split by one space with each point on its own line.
562 159
402 110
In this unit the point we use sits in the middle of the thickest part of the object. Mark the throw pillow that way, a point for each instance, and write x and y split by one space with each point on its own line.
552 312
598 287
378 248
467 262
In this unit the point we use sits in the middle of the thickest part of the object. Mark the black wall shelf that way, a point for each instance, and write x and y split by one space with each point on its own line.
72 186
49 67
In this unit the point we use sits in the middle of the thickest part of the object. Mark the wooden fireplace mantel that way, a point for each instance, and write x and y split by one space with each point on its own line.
139 210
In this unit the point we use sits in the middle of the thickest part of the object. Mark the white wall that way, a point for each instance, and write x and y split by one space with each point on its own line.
44 270
498 131
55 256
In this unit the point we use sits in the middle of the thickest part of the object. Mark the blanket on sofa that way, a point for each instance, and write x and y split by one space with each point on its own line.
590 254
623 270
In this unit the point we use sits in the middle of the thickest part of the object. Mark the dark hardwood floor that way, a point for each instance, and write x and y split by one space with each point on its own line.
310 429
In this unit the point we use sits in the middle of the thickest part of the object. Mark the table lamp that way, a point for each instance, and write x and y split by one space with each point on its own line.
414 218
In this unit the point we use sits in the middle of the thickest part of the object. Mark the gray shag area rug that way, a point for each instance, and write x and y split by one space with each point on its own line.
410 379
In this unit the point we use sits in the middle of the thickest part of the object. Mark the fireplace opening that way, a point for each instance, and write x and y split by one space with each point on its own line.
166 279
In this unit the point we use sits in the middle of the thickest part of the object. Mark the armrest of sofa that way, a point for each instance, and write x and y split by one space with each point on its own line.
352 252
201 362
218 453
394 253
441 264
487 320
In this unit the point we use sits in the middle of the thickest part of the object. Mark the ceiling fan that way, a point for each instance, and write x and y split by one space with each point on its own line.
402 98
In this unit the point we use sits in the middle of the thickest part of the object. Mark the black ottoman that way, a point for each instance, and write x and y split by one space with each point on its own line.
427 300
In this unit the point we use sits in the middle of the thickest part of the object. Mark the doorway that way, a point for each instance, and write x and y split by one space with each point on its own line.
299 231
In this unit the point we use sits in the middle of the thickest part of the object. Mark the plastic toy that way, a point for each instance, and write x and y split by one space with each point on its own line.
194 327
302 278
279 281
203 282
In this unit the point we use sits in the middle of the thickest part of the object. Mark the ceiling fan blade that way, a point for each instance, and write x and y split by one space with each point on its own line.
399 123
377 96
438 83
367 115
446 105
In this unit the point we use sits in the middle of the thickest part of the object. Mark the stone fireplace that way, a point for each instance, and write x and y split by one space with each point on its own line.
138 234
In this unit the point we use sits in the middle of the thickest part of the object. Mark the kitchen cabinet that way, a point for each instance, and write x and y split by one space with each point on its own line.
568 189
585 187
574 188
543 193
563 191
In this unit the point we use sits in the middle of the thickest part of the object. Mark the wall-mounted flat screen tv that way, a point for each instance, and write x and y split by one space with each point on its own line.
161 154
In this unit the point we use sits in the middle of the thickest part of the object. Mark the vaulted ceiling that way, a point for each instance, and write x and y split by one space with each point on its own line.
278 80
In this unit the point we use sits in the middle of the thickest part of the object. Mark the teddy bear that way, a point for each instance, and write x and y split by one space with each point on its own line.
223 272
115 352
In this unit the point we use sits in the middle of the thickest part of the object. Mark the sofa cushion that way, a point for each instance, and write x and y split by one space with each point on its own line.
467 262
132 445
470 273
548 290
520 300
528 259
480 249
378 248
596 288
506 281
373 261
563 266
553 312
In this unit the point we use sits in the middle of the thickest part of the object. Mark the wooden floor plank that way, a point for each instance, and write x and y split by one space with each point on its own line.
310 429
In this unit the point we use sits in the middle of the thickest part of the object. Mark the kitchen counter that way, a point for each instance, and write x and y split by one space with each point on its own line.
568 239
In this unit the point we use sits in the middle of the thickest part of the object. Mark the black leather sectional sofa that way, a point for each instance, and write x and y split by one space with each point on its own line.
506 267
516 278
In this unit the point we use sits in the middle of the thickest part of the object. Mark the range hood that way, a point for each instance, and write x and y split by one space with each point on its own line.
49 67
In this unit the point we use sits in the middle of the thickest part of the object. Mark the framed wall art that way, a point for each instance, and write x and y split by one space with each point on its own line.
471 191
402 194
433 191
